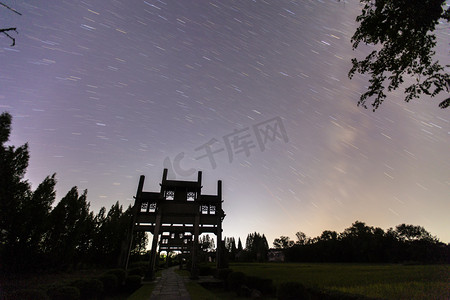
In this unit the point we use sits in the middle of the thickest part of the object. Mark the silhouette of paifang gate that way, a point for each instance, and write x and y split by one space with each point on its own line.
179 213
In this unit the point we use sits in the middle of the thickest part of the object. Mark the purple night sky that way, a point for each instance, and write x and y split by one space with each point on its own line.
105 91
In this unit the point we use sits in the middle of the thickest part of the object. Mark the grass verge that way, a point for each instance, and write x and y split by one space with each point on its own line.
197 292
143 293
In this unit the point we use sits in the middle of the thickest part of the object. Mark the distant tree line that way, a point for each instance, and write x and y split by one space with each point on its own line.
256 248
207 243
36 235
362 243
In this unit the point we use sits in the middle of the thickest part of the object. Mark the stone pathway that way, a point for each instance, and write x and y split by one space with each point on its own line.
170 287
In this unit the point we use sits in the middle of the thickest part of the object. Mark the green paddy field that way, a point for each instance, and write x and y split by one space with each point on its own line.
387 281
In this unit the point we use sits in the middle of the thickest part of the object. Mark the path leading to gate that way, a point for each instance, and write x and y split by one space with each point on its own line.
170 286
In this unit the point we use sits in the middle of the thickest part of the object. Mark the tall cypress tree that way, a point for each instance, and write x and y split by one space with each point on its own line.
23 213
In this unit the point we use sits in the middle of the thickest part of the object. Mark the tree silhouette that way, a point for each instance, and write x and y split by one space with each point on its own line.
70 231
283 242
328 235
35 213
239 247
6 31
403 31
33 235
139 243
110 232
23 213
256 247
413 233
362 243
230 245
207 243
302 239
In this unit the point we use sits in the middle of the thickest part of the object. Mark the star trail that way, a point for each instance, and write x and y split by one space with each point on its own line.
254 93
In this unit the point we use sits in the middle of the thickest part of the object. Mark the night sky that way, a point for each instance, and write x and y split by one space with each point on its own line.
254 93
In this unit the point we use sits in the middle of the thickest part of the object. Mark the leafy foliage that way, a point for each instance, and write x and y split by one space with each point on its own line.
22 212
110 231
302 239
132 283
70 228
402 31
414 233
120 275
283 242
89 288
264 285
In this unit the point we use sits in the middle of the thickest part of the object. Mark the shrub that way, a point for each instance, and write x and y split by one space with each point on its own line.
139 264
161 263
89 288
132 283
110 283
137 271
205 270
264 285
223 274
235 280
245 291
291 290
188 263
120 274
28 294
64 292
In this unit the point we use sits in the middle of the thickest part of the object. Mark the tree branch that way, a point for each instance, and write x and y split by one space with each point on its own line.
11 9
5 32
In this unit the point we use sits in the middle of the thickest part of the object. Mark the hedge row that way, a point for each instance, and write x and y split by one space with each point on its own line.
110 283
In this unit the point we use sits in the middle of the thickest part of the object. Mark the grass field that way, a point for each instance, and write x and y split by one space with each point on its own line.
386 281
